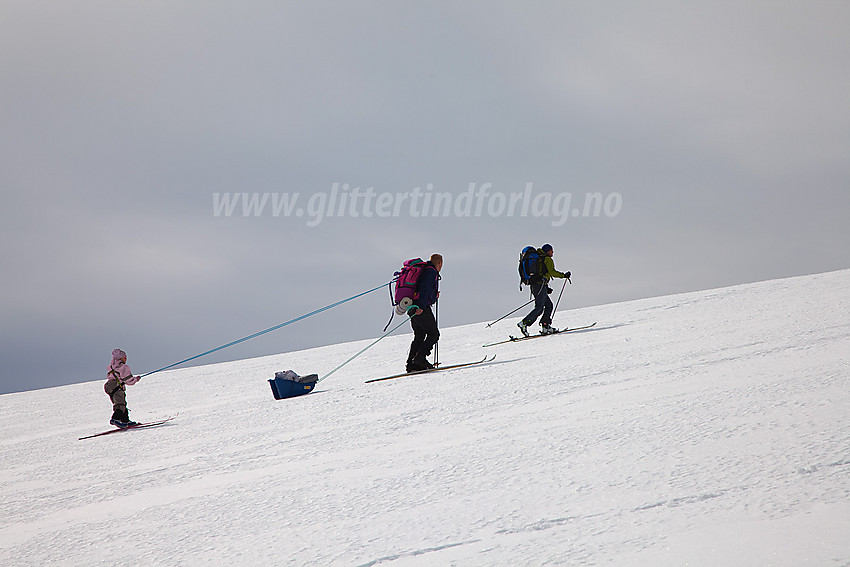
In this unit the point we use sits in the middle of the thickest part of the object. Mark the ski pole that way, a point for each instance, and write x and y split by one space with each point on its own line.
555 310
437 324
367 348
269 330
512 312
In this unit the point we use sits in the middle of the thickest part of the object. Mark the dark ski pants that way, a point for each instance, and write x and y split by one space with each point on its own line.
425 335
542 305
115 391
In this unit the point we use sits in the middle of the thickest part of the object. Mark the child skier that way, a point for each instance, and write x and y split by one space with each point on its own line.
119 375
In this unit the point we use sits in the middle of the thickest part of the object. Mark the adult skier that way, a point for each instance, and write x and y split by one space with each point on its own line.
423 323
540 290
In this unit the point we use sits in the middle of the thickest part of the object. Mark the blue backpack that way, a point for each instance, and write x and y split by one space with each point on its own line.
530 266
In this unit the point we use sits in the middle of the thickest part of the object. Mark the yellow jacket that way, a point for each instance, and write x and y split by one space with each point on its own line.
549 270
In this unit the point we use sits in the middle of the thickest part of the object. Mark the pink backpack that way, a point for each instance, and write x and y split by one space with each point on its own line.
405 284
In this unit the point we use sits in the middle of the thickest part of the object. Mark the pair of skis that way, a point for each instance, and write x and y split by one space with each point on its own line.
438 369
138 426
513 339
484 360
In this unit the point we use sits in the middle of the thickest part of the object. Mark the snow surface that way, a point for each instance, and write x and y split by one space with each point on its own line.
708 428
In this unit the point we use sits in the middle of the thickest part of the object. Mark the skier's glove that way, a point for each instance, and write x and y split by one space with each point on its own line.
567 275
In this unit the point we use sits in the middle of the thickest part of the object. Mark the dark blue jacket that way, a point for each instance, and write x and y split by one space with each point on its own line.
428 287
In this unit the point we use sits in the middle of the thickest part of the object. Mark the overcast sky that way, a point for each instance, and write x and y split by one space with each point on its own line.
714 136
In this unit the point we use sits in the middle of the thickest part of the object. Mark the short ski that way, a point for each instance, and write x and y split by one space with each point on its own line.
139 426
513 339
438 369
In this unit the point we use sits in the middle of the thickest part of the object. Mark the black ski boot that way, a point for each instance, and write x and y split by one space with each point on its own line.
421 363
122 419
130 423
118 419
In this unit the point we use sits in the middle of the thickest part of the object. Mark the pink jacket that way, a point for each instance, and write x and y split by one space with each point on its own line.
119 369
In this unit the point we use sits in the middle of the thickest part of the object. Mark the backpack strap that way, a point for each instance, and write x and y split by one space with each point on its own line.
114 374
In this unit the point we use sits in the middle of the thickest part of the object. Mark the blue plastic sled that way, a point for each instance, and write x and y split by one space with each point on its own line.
288 388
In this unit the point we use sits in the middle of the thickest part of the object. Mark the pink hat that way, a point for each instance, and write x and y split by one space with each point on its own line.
119 354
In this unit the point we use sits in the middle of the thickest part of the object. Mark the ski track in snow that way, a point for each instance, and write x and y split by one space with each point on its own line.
708 428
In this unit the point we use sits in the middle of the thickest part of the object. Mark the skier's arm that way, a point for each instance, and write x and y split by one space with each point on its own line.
551 272
127 376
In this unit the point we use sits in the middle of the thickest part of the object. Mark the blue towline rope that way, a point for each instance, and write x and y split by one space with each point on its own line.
269 330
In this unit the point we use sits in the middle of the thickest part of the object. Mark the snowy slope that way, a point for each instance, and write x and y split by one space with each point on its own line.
709 428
